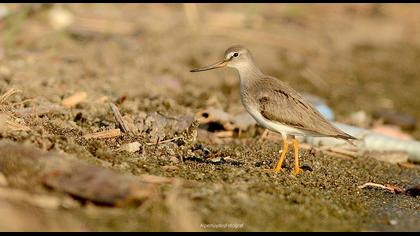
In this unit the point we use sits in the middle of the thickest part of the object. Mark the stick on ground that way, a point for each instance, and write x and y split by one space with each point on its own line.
74 99
7 94
118 118
392 189
16 126
112 133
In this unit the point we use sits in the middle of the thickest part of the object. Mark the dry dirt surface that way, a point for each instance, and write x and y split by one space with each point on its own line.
103 127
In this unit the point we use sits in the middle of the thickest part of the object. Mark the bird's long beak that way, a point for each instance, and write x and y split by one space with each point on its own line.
211 67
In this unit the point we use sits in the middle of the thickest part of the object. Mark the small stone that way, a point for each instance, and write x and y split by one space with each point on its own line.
393 222
306 167
216 159
60 18
131 147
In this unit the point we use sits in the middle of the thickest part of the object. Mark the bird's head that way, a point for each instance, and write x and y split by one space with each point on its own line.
235 57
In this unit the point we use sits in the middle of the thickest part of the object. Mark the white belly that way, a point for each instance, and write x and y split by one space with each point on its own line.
273 126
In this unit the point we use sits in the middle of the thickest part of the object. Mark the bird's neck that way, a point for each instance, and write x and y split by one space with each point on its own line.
249 73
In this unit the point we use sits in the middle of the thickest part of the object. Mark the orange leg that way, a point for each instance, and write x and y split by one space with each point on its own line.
297 169
282 156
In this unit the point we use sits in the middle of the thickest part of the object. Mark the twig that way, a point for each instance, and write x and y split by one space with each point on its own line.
22 102
7 94
112 133
224 134
16 126
157 143
337 154
74 99
167 117
392 189
340 151
119 118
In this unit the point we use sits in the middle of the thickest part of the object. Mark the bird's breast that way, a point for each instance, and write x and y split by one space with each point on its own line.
252 107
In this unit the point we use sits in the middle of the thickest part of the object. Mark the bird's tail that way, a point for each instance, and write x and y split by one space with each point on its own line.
348 138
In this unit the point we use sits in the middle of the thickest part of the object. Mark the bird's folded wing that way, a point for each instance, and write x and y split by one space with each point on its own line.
280 103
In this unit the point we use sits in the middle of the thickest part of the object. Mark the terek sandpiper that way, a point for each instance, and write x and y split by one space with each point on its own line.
275 105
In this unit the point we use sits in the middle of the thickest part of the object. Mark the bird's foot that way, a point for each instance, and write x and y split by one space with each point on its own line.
278 169
297 170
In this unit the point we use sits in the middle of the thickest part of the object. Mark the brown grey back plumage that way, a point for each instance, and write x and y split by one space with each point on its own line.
268 99
280 103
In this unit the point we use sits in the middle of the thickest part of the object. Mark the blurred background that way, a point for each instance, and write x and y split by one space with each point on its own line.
62 64
358 57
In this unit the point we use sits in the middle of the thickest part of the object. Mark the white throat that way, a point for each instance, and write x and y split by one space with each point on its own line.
247 70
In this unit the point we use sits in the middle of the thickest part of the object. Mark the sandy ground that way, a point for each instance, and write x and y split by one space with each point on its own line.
182 175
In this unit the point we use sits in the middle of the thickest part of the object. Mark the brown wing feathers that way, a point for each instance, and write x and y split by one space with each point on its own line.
280 103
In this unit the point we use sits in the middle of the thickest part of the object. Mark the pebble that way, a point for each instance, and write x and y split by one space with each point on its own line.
393 222
216 159
306 167
60 18
131 147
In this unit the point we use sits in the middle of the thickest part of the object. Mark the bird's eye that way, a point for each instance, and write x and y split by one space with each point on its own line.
236 54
